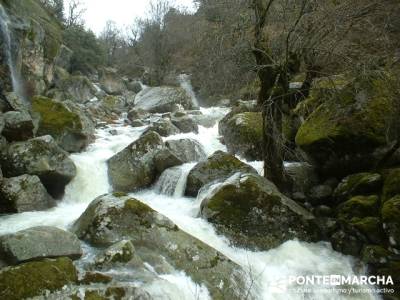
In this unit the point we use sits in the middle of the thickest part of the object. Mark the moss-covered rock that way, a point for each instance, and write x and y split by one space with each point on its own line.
358 184
65 122
35 278
359 206
371 228
110 219
121 252
391 219
374 254
342 132
134 167
253 213
18 126
391 185
217 167
163 127
114 103
243 135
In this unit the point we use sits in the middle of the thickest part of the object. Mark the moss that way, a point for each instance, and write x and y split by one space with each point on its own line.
359 184
391 210
373 254
391 186
93 295
34 278
119 194
356 118
55 117
96 277
359 206
138 207
371 227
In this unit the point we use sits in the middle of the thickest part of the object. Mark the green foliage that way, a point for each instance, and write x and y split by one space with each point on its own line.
87 51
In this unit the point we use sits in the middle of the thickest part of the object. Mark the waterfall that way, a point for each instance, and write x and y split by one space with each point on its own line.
6 34
172 181
184 80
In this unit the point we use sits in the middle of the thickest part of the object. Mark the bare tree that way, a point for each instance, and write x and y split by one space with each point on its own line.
75 13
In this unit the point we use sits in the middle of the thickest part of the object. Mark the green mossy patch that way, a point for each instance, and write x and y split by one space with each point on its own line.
359 184
371 227
55 117
356 118
374 254
359 206
391 185
35 278
391 210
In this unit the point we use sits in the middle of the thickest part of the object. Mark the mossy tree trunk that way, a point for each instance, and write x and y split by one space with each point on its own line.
270 98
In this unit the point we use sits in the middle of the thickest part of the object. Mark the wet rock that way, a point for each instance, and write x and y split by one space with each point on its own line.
120 252
187 150
42 157
218 166
346 243
370 227
96 277
111 82
18 126
39 242
134 167
164 159
23 193
391 219
36 278
162 99
137 123
109 219
251 212
163 127
65 122
185 124
242 134
358 184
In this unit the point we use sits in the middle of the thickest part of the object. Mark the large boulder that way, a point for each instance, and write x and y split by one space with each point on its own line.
243 135
37 243
76 88
111 82
110 219
217 167
36 278
23 193
251 212
65 122
113 103
18 126
134 167
187 150
343 133
162 99
42 157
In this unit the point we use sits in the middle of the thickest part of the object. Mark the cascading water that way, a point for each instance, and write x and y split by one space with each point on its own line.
267 269
6 34
184 80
